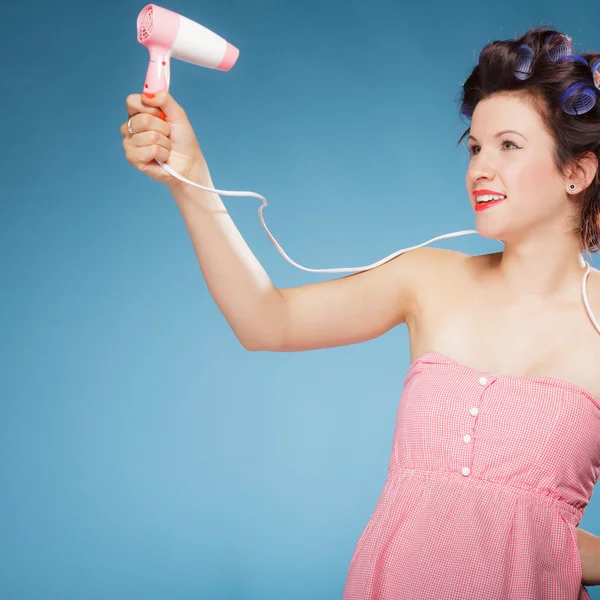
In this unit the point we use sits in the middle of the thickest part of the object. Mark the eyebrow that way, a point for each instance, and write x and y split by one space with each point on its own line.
500 133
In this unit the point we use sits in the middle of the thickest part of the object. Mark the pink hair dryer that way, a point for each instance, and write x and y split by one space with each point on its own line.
167 34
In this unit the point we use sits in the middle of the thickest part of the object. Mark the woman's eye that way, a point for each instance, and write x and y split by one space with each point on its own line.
506 145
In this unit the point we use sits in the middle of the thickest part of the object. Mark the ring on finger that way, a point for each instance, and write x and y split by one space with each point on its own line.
129 130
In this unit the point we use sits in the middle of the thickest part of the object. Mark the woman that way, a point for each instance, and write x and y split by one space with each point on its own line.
497 442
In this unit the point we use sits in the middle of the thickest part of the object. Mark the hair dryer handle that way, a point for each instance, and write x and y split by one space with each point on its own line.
158 74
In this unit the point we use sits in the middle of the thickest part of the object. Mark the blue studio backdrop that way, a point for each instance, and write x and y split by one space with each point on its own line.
144 454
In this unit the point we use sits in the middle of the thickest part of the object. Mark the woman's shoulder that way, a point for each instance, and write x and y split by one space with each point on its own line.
593 293
440 258
446 278
440 264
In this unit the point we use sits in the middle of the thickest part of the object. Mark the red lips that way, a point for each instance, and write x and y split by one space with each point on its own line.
480 207
481 192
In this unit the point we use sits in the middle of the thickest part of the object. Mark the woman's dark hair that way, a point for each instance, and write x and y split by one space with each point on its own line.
574 136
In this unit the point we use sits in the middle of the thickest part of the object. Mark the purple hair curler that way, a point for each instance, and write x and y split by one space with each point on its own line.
578 99
596 73
560 50
573 58
526 56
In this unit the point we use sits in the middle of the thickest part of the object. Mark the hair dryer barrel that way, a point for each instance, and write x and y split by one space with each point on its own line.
167 34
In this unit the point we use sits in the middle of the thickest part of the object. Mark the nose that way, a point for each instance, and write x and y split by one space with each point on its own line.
481 167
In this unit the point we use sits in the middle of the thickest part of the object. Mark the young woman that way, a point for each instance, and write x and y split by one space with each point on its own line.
497 443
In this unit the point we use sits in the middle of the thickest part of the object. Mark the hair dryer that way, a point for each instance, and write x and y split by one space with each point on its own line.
167 34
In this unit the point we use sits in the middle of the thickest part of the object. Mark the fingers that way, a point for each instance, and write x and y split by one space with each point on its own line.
142 122
163 100
146 117
140 157
150 138
135 105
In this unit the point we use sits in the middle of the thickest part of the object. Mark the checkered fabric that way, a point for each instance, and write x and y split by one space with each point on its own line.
488 479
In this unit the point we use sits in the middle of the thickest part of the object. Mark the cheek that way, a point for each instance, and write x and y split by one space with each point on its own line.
535 173
536 184
535 179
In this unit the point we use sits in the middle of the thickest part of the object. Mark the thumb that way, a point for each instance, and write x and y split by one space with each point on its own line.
162 99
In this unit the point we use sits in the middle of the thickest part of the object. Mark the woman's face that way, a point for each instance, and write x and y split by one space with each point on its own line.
511 153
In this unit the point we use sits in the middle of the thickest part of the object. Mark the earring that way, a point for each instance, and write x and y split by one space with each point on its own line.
572 186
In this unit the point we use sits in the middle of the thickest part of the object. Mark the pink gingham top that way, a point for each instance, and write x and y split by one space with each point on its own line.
488 480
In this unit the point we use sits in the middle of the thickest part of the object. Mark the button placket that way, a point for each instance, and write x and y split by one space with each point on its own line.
474 411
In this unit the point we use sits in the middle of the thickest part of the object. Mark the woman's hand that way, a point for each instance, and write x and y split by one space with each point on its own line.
171 140
589 554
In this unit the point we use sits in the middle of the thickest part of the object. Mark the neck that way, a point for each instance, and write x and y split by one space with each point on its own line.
541 271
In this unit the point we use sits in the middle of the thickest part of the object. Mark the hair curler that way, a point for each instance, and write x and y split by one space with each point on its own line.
167 34
525 62
596 73
560 45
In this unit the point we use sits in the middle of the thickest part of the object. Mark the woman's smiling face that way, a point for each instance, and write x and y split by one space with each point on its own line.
512 154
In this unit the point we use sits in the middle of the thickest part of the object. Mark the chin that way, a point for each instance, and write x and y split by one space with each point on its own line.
492 233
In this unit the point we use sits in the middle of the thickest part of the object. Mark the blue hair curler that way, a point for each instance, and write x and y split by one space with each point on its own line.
596 73
573 58
466 111
578 99
562 49
526 56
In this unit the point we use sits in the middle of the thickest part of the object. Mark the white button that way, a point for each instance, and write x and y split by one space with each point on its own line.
483 380
467 438
466 470
474 411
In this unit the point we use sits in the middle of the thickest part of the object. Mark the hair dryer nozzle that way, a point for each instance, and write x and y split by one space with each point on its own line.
167 34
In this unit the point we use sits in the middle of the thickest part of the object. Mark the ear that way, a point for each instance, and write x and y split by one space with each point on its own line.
583 171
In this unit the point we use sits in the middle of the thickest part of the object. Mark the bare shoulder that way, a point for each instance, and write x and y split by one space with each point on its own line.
593 292
437 260
444 277
437 267
434 274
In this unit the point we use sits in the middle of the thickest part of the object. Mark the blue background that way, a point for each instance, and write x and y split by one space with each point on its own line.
143 452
